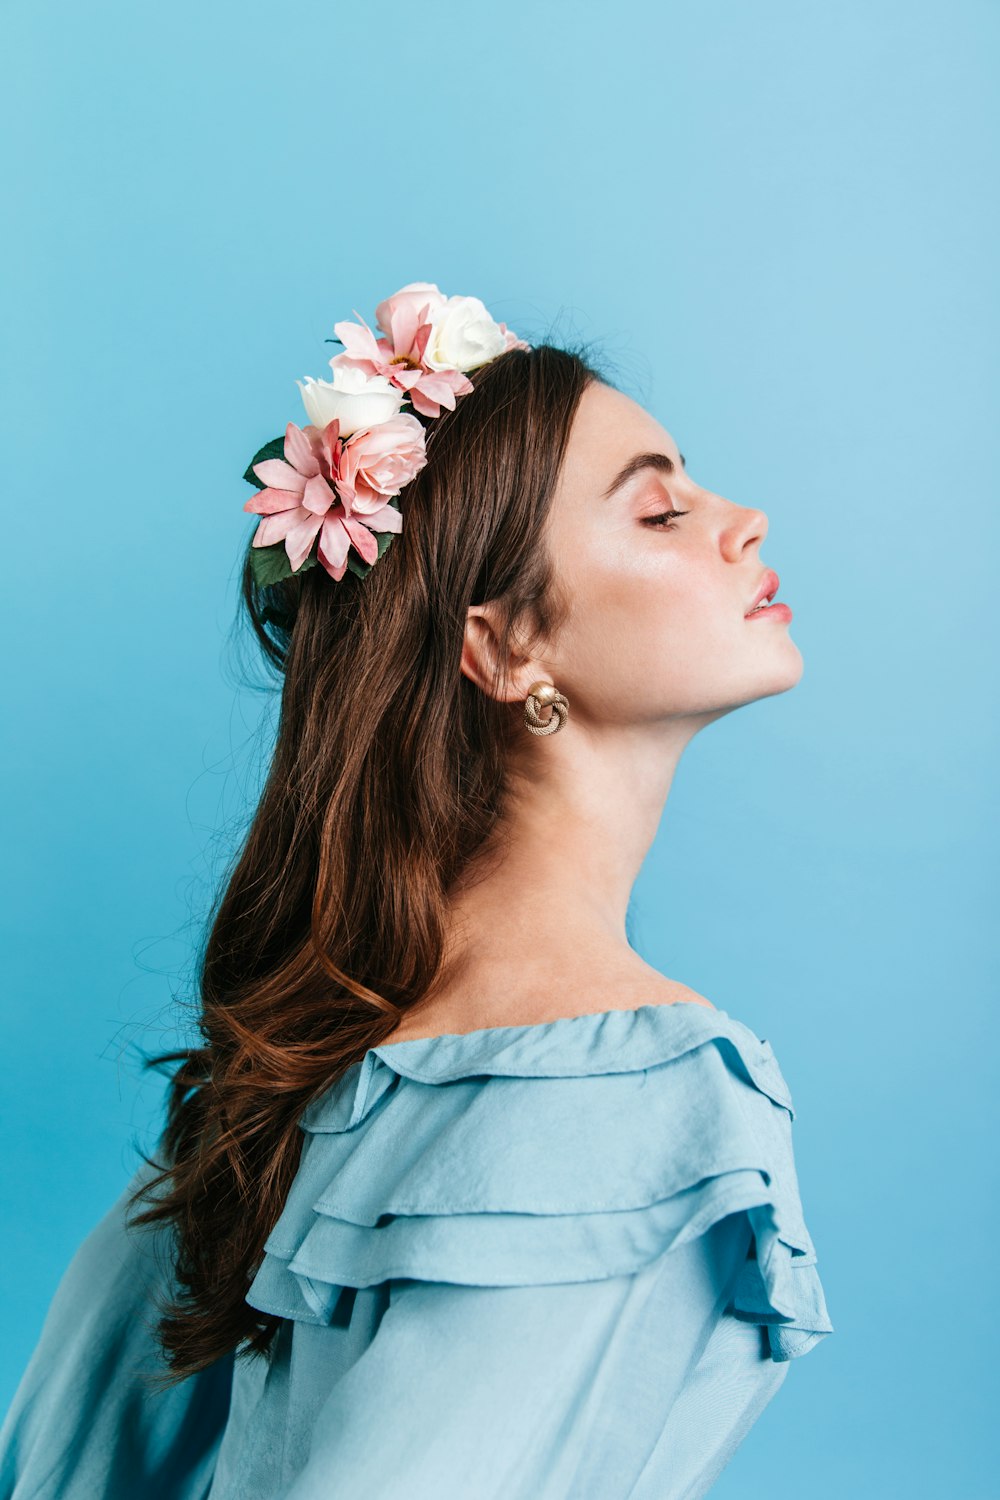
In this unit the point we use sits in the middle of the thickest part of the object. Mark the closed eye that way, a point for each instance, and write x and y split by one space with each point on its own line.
667 516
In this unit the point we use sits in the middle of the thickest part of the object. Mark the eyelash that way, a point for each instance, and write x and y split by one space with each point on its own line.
665 516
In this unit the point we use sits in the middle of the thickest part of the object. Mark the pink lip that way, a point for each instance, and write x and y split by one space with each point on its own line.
771 612
766 589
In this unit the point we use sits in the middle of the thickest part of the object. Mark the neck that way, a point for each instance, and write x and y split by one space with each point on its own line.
554 886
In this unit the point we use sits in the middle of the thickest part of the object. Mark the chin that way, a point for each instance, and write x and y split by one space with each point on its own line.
775 670
789 671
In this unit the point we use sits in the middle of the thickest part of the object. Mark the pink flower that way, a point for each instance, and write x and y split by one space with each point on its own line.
400 358
430 305
376 463
302 498
415 294
511 339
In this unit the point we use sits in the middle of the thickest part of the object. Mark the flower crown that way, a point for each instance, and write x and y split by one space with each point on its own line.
334 481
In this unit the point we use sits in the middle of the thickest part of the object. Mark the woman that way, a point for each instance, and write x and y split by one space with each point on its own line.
460 1197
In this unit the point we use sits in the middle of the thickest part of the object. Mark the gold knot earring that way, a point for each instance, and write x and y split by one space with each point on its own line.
543 695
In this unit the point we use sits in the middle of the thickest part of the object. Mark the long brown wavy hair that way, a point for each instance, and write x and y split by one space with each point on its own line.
387 777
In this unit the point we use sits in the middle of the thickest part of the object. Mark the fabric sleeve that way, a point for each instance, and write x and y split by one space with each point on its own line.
538 1392
83 1422
722 1398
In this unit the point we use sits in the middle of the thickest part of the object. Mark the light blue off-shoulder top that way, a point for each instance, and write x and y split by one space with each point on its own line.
565 1261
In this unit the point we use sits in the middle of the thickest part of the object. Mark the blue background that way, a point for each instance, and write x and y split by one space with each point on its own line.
779 221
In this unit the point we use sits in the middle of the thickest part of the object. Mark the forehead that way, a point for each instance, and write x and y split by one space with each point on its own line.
608 429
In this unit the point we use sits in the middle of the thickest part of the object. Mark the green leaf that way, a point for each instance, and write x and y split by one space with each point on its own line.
274 449
271 564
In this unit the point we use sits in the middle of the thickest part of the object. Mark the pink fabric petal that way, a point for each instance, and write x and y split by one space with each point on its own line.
365 498
281 476
334 545
422 404
334 540
347 492
331 445
437 387
511 340
358 341
461 384
299 451
350 364
371 442
266 502
388 479
335 573
275 528
403 323
388 518
362 539
300 539
347 469
395 435
318 496
404 377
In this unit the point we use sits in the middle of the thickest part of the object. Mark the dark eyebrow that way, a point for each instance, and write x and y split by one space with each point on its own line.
635 465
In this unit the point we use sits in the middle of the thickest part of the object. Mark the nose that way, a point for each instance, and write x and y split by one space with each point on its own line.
747 527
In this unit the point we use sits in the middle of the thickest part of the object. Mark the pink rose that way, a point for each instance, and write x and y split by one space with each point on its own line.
511 339
377 463
412 297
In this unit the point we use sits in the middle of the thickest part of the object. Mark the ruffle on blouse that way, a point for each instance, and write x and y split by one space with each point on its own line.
576 1150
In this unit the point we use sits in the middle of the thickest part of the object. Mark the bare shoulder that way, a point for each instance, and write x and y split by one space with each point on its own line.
612 985
659 990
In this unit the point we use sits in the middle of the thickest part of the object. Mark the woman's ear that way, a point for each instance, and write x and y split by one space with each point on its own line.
481 657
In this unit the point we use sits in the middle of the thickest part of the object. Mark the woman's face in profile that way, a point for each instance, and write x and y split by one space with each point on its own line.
657 625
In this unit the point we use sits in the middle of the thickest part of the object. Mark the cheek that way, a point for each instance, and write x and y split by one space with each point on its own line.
647 584
644 624
634 607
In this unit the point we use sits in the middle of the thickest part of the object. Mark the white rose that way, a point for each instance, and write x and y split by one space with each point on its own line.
357 399
463 335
